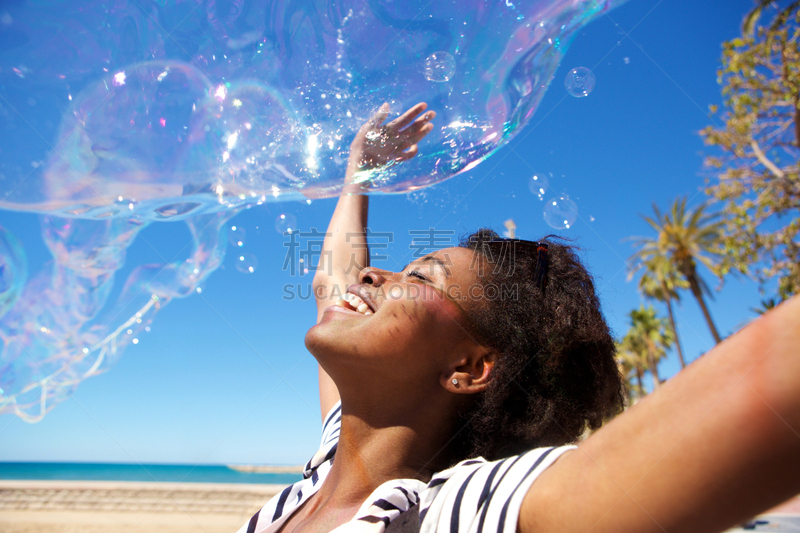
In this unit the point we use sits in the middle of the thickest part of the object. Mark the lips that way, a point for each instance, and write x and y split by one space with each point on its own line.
354 303
362 294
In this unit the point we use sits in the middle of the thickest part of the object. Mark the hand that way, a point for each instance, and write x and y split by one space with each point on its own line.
376 143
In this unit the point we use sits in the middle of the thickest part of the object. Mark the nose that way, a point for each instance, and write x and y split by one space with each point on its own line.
372 276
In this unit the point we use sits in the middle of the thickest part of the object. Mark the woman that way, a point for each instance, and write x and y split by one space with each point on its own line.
478 353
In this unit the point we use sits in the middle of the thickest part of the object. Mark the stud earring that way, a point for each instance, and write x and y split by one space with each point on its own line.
455 381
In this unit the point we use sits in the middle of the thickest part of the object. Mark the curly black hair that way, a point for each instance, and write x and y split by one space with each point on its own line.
556 374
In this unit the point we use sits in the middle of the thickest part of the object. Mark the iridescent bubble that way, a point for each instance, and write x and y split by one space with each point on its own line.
285 223
439 67
258 144
133 141
579 82
246 263
236 236
560 213
65 327
539 183
13 270
159 131
107 125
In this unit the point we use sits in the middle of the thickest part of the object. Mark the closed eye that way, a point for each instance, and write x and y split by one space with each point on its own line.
418 275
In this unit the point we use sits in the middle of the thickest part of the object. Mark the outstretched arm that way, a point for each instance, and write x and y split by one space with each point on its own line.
345 251
717 444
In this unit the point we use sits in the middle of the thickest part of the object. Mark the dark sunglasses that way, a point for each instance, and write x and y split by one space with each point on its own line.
509 246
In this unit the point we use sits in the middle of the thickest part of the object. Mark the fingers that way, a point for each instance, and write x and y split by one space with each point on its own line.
417 131
410 152
430 115
406 118
377 143
378 118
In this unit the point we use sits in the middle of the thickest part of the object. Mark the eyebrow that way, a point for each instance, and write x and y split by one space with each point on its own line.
437 261
428 259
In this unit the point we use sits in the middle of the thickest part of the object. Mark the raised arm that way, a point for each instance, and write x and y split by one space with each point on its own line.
717 444
345 250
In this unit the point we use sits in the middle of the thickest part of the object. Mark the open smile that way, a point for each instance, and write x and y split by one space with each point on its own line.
357 299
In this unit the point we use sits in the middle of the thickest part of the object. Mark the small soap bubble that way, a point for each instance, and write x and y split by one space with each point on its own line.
579 82
236 236
538 184
285 223
440 67
560 213
246 263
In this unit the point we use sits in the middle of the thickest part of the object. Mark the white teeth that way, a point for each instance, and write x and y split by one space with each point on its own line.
355 303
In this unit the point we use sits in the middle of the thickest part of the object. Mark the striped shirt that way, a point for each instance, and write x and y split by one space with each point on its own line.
475 496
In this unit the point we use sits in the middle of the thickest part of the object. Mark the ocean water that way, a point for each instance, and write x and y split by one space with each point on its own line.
135 472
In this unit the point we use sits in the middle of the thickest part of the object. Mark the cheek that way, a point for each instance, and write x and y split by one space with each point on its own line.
441 316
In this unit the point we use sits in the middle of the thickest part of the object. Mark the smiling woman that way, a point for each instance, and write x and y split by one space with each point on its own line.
456 389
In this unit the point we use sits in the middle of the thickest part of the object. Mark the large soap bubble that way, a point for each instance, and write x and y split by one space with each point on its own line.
13 270
145 100
114 114
63 329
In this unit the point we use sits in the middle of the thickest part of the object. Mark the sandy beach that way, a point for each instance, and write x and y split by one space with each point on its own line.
127 507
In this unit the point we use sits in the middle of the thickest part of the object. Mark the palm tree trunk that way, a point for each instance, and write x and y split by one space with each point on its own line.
689 273
672 325
699 296
651 362
639 378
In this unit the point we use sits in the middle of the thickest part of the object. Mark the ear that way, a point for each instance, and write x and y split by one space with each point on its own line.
472 373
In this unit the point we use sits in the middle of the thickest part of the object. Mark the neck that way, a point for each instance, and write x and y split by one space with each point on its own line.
377 445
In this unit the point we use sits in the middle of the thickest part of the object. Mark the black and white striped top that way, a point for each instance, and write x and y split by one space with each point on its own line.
475 496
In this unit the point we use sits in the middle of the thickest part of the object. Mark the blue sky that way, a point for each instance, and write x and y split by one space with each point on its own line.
223 376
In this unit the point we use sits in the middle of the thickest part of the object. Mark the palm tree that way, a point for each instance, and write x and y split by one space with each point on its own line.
767 305
660 281
631 365
650 336
750 20
685 238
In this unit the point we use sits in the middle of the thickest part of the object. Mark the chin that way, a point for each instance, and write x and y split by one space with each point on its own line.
322 338
314 339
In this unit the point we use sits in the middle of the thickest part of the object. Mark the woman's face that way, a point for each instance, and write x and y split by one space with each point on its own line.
410 325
